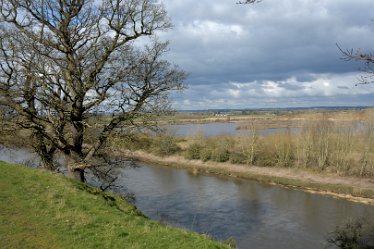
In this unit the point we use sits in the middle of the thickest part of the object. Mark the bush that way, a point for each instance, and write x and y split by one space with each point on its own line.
164 145
193 151
284 151
123 140
205 154
220 154
357 234
238 158
266 155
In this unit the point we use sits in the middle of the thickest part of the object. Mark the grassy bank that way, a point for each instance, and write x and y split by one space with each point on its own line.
41 210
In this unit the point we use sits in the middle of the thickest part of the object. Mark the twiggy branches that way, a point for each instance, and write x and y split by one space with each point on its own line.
62 60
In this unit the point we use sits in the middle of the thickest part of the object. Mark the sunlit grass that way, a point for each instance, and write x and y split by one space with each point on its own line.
41 210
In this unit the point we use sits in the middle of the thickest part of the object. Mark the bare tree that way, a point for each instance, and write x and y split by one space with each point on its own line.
366 57
60 60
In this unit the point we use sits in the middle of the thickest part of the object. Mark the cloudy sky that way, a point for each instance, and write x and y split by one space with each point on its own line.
279 53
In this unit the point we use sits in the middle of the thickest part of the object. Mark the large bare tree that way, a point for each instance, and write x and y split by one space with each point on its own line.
62 60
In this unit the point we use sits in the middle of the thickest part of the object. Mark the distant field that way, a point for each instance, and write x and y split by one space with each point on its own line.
42 210
258 116
239 116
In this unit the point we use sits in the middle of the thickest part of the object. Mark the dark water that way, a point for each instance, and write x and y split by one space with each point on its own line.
214 129
257 216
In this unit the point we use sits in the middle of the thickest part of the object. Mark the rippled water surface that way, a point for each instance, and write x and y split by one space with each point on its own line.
256 215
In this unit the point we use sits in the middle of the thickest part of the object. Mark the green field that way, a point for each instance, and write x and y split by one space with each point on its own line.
39 209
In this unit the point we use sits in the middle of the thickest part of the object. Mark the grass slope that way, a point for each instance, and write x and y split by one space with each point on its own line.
41 210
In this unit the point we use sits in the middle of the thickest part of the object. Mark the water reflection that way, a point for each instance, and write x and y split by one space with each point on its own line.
255 215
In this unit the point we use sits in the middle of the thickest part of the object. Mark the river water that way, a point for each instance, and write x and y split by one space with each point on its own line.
255 215
214 129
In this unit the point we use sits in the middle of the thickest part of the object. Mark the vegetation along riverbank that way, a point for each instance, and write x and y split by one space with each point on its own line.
329 155
56 212
345 187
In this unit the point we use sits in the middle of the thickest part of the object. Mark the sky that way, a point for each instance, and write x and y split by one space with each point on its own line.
272 54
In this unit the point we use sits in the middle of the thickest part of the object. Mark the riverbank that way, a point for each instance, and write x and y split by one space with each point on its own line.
39 209
349 188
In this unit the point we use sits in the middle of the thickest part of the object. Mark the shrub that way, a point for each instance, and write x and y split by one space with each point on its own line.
357 234
284 150
220 154
131 141
164 145
205 154
193 151
319 133
238 158
266 153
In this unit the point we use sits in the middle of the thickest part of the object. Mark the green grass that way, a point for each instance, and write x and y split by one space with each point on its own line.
39 209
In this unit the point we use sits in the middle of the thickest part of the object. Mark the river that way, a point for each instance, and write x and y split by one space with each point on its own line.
255 215
224 128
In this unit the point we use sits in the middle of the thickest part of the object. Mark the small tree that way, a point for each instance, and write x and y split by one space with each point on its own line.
62 60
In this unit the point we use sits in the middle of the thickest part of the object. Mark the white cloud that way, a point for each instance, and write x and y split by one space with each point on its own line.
211 30
324 89
234 93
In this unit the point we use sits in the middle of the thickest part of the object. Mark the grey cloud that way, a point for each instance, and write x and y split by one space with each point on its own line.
292 87
305 77
222 42
343 87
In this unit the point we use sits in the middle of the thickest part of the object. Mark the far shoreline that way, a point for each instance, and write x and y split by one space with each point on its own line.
353 189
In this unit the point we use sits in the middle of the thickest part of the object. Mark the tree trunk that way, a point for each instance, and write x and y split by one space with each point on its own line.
47 162
46 153
77 174
74 171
